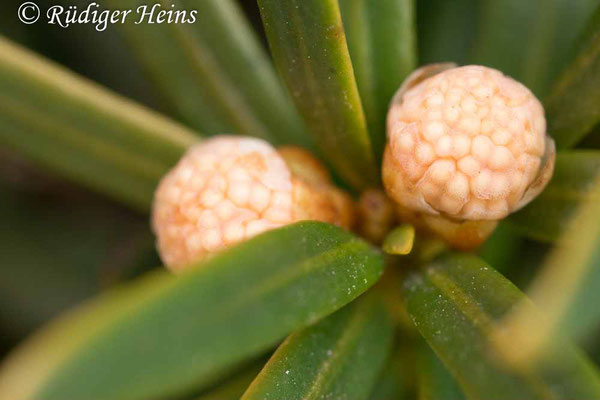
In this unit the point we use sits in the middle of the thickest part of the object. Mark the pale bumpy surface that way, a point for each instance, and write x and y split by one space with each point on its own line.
223 190
230 188
466 143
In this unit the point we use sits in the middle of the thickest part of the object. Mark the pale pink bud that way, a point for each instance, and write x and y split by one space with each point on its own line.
465 143
228 189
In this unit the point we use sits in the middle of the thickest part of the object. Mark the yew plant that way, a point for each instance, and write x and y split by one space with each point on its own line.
313 250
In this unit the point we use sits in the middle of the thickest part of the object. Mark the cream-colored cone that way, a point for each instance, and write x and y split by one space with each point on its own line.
228 189
465 144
